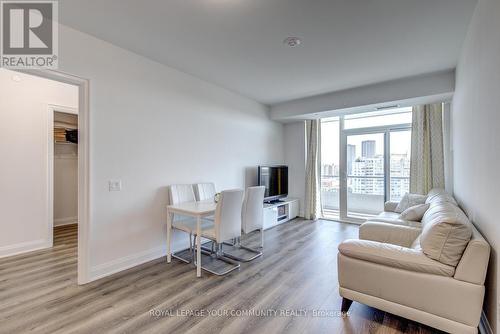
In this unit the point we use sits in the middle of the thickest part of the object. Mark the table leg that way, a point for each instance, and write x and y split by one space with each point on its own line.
198 247
169 236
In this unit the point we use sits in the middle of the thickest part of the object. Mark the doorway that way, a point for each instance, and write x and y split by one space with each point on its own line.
20 131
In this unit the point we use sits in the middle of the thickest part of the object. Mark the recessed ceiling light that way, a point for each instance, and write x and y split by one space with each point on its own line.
16 78
292 41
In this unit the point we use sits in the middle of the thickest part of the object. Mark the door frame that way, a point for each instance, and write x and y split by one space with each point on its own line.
84 199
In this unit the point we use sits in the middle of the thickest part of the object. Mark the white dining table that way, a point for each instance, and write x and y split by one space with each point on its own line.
197 210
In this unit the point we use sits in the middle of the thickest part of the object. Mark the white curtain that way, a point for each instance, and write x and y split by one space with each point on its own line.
427 160
313 170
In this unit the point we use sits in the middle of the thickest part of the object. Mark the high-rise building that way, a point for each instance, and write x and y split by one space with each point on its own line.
351 156
368 148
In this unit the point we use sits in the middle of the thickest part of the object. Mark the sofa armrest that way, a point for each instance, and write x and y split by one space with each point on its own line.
390 206
394 256
473 265
389 233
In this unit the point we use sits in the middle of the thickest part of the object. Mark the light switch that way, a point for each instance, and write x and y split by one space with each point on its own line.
115 185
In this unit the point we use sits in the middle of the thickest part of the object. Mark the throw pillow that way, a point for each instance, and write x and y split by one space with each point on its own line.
415 213
410 200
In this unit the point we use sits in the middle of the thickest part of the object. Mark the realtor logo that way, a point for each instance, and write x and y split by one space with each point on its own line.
29 34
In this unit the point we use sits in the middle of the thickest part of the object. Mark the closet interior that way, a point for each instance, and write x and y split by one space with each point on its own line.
65 168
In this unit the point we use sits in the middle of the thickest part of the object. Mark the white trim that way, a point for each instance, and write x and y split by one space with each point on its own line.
50 176
24 247
84 205
124 263
65 221
484 325
63 109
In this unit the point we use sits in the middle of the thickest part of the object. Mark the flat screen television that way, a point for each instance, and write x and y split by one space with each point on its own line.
275 179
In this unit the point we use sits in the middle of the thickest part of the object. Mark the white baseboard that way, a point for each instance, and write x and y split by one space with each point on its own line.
127 262
484 325
65 221
24 247
179 241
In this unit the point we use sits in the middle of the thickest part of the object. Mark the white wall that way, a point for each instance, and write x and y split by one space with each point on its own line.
24 158
152 126
476 135
295 158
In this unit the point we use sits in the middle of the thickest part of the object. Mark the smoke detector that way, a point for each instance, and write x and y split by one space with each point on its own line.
292 41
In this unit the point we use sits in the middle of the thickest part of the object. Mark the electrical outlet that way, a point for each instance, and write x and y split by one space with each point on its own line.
115 185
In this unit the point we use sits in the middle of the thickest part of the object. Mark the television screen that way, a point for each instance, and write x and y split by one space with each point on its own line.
275 179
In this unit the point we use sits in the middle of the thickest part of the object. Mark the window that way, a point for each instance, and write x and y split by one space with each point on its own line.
374 166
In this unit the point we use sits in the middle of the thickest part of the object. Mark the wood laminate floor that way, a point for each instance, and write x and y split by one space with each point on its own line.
295 277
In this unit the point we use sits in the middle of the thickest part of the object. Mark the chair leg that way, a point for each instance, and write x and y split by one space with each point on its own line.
238 244
346 304
191 244
262 238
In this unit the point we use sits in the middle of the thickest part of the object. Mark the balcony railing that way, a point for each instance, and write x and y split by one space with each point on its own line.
363 197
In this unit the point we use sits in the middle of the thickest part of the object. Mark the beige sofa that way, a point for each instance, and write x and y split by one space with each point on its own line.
431 271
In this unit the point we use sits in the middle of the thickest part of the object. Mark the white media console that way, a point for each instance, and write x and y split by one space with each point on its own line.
280 212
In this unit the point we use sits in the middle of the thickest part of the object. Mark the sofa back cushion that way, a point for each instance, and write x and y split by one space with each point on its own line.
439 195
446 231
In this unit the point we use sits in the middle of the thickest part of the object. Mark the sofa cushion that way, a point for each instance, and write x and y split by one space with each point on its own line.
415 213
394 256
446 231
439 195
394 218
409 200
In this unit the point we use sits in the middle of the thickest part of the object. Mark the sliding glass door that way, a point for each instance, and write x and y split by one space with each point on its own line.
365 159
365 162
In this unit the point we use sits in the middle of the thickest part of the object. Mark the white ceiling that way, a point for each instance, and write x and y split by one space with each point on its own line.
238 44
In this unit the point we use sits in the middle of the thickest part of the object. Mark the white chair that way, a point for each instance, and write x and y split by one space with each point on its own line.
204 191
182 193
252 219
226 225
